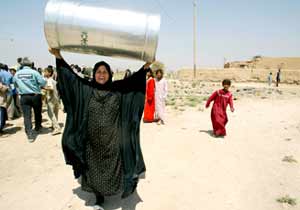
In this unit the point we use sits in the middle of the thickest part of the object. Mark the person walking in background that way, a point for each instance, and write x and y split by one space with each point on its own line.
54 75
13 109
149 110
40 70
28 83
13 71
7 80
278 77
19 62
32 66
7 77
270 79
219 117
3 105
161 92
52 100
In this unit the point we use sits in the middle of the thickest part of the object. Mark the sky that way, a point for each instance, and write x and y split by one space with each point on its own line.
227 30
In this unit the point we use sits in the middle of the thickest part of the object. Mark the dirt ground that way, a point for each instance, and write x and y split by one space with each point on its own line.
187 168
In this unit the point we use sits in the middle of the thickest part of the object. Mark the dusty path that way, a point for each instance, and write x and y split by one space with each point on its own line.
187 169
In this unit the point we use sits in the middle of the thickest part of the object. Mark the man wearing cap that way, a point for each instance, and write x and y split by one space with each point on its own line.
29 83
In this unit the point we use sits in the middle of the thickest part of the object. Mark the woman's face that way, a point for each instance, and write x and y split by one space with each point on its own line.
101 75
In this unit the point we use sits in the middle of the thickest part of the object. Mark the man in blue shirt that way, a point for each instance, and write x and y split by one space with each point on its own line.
6 81
29 83
5 75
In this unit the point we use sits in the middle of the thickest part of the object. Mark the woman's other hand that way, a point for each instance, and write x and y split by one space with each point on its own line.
55 52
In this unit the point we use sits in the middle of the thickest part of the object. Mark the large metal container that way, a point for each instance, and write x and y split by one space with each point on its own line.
76 26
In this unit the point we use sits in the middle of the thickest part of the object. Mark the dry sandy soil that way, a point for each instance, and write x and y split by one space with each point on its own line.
187 168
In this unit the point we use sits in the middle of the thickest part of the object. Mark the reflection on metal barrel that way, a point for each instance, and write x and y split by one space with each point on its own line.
85 28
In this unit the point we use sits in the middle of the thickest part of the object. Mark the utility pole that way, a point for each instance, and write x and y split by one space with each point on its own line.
195 37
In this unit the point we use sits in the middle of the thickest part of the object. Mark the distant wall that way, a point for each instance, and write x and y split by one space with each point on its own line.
239 75
272 63
292 63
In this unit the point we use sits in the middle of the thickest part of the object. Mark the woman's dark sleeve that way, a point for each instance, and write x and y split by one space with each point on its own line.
65 81
61 63
70 85
136 82
74 93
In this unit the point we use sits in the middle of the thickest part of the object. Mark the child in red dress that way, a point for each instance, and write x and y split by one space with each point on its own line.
221 99
149 109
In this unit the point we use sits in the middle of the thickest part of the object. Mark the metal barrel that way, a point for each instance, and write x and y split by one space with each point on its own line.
80 27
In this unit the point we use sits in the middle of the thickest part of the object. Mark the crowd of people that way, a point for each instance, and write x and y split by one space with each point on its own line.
25 88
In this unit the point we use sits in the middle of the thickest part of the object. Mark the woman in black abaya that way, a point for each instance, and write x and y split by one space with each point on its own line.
101 137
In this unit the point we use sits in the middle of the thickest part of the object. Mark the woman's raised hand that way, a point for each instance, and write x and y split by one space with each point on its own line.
147 65
55 52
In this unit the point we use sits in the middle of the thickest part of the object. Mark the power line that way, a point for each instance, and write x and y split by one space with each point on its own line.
164 11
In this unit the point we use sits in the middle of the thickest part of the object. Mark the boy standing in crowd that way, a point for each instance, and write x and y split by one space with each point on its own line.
52 100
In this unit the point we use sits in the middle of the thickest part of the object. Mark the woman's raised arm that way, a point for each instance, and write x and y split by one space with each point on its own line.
136 82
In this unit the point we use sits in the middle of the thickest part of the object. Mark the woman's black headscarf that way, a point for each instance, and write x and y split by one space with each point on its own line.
107 85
